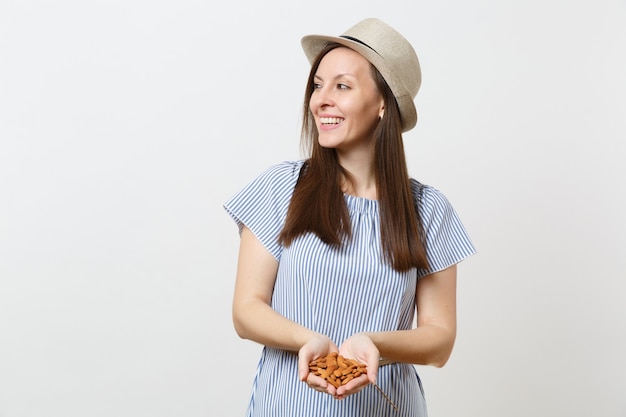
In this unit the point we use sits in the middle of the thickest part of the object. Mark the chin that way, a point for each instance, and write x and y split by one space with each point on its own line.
325 143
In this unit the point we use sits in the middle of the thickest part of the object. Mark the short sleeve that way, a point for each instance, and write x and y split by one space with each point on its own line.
447 241
262 205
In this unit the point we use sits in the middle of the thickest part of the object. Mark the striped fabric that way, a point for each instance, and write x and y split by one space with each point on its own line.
341 291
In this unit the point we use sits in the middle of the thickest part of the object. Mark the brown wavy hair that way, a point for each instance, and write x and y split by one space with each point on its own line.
318 205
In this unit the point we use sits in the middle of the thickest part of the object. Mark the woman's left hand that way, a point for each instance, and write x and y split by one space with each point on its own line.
360 348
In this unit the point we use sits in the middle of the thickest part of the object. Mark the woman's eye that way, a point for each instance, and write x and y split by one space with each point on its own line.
317 86
342 87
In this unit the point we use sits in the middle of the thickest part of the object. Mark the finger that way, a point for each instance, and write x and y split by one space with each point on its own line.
372 368
303 367
353 386
320 384
315 381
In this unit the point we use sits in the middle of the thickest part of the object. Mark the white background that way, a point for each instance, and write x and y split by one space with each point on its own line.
124 126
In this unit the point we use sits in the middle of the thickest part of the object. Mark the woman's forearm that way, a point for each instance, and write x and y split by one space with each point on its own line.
257 321
425 345
431 342
253 316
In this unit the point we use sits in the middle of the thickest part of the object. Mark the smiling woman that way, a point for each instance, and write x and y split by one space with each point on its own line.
338 251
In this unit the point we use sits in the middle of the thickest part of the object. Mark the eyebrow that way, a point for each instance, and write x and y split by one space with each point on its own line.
343 74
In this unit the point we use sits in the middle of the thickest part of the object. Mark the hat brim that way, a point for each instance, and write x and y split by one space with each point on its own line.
314 44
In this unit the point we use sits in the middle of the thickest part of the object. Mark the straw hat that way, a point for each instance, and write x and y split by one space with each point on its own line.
388 51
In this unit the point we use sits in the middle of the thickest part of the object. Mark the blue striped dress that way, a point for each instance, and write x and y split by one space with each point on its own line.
315 283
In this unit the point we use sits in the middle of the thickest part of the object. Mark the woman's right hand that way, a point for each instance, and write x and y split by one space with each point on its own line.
316 347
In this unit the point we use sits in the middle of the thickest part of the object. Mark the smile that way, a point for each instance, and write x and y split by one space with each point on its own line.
330 120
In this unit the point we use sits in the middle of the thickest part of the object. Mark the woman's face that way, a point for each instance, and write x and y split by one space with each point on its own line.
345 103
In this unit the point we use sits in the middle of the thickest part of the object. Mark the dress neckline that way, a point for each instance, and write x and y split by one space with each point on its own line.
361 204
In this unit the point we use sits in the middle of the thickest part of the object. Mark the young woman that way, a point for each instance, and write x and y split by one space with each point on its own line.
339 251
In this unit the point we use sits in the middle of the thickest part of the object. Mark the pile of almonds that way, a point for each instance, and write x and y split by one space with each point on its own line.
336 369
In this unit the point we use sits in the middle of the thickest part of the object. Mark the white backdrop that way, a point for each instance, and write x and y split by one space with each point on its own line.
125 124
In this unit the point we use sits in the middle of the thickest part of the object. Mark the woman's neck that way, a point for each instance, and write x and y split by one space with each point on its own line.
360 180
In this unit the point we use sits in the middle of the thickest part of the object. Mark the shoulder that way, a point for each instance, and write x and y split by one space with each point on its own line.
262 205
283 171
280 178
447 241
277 177
427 197
434 208
276 182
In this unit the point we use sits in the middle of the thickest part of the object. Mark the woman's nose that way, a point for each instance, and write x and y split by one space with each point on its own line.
321 97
